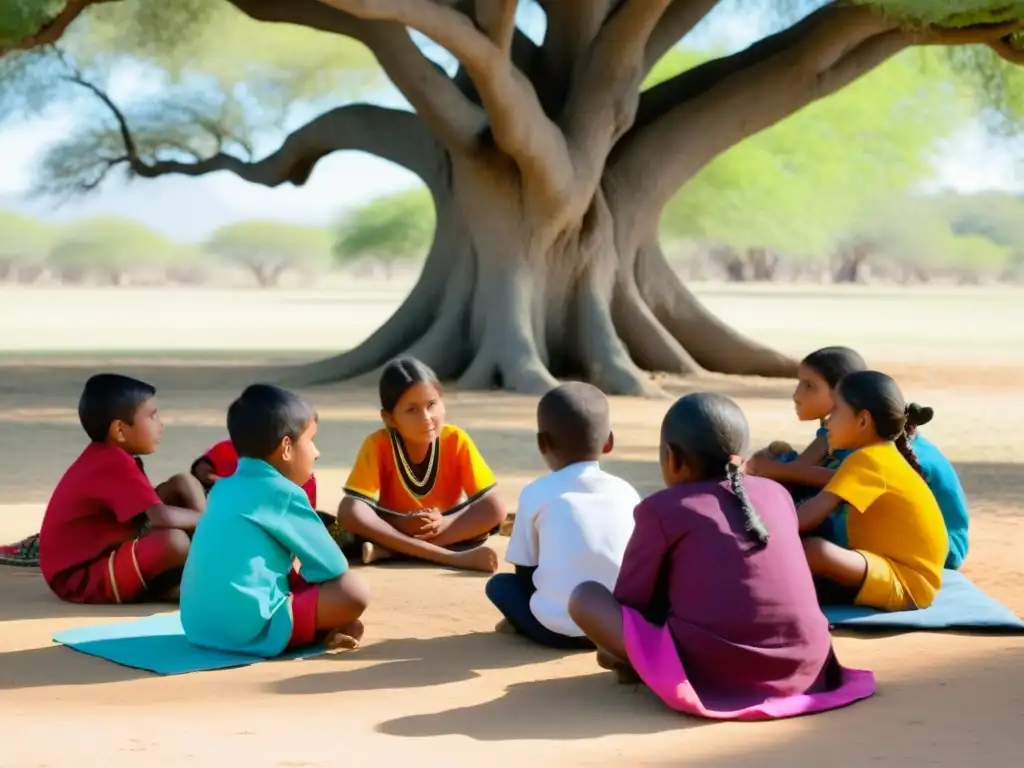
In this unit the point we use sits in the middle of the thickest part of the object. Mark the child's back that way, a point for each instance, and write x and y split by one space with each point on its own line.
749 615
573 525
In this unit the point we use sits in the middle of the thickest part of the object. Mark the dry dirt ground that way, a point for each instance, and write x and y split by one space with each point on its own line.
433 685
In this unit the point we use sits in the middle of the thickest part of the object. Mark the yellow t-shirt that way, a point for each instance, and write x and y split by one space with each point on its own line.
453 468
893 514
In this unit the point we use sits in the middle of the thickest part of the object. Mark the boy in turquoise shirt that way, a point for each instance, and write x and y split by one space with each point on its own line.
239 590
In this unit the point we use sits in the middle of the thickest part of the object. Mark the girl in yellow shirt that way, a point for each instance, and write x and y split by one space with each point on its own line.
897 537
420 487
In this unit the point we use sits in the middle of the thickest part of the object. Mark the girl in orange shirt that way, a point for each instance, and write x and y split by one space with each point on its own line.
420 487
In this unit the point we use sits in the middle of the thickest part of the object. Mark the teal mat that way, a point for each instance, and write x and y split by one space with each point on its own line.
959 605
157 644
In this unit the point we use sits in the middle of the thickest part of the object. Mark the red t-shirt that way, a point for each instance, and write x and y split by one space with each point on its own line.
224 460
94 509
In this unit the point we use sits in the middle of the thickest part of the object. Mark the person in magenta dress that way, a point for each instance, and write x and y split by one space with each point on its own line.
714 608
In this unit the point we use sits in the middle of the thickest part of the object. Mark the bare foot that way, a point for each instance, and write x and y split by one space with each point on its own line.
374 552
504 627
345 638
624 673
481 558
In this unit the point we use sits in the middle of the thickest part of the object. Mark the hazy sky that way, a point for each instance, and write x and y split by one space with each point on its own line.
188 208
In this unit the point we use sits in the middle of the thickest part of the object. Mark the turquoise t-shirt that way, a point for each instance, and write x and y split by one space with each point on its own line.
234 590
945 486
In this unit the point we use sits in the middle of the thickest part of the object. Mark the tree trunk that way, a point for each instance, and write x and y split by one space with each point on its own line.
508 300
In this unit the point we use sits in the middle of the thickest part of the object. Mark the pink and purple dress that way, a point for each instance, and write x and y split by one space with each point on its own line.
718 628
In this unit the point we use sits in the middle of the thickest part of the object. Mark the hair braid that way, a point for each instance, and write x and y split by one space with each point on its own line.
906 449
753 525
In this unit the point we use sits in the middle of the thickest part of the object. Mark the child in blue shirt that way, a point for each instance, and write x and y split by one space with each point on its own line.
805 474
240 591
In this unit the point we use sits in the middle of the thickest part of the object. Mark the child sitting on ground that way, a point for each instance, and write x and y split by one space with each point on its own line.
109 536
806 474
403 494
240 591
221 460
714 607
897 537
570 526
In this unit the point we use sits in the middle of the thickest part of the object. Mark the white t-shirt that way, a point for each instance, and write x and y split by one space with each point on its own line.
573 525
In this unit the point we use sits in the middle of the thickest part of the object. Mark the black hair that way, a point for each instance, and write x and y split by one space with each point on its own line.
574 421
110 397
398 376
833 363
894 419
263 416
708 432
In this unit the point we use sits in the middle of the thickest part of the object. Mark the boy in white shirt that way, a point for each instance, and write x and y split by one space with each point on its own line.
571 526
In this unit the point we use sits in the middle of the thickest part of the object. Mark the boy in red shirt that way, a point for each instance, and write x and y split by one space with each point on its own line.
108 535
222 461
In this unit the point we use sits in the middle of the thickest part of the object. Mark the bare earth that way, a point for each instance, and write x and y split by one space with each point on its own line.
457 694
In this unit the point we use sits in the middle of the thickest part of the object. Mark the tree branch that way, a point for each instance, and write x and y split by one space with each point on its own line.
54 29
604 93
676 22
518 123
497 20
724 101
391 134
395 135
455 119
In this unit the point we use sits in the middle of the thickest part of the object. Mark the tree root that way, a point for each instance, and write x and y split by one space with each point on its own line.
713 344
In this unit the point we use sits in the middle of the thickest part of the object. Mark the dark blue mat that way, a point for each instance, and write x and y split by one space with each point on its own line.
959 605
157 644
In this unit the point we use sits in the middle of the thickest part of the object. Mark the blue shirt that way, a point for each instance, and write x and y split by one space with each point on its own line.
945 485
234 590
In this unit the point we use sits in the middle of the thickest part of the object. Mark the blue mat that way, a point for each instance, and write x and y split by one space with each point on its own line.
157 644
959 605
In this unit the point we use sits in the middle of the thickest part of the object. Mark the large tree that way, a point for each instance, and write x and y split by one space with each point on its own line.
548 163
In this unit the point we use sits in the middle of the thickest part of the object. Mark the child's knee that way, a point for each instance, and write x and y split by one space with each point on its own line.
584 597
354 513
173 545
353 592
183 490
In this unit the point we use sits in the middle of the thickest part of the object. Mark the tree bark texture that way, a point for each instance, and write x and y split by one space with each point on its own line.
549 169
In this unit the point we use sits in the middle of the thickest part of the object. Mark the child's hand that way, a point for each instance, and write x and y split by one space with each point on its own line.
433 526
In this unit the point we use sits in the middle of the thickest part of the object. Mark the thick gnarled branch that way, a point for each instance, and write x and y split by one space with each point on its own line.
455 120
676 22
395 135
814 58
604 93
391 134
518 123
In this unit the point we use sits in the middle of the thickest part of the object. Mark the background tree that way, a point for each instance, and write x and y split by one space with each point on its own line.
548 166
389 229
25 242
269 249
108 249
787 194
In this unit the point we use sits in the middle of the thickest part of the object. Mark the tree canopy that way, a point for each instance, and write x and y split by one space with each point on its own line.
548 160
268 249
109 247
799 186
387 229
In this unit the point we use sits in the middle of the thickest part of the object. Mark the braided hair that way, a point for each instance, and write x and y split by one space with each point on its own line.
708 432
893 418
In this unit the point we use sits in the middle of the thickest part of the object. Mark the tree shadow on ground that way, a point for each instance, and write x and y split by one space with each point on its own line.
418 663
57 666
25 596
584 707
941 715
